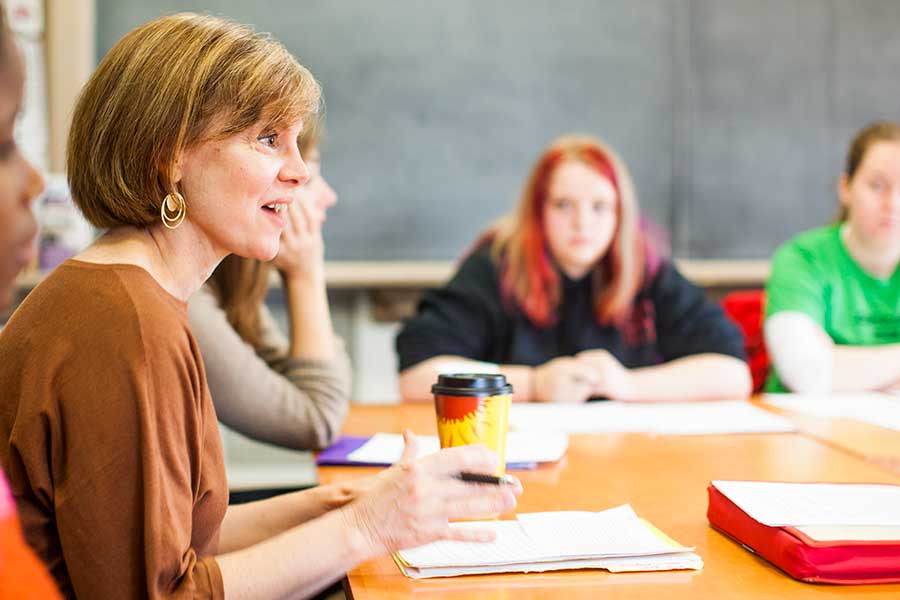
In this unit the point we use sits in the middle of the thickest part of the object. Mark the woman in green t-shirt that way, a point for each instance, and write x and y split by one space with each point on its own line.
832 319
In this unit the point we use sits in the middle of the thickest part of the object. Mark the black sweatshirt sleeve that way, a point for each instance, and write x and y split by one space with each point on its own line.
462 318
686 322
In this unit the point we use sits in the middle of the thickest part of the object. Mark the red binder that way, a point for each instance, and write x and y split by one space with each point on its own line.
841 562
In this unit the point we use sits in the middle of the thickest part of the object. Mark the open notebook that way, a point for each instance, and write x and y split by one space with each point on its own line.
616 540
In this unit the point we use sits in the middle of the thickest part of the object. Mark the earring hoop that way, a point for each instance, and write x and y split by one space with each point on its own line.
173 210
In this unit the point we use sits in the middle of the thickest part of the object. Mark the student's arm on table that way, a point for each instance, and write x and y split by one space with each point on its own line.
808 361
563 379
702 351
706 376
416 381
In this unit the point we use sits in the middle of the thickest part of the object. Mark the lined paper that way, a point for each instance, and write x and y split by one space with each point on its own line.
614 539
780 504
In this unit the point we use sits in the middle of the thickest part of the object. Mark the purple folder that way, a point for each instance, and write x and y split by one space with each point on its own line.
336 455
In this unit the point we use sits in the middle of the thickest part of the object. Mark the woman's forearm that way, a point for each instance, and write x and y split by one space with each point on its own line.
248 524
416 381
865 368
699 377
312 335
298 562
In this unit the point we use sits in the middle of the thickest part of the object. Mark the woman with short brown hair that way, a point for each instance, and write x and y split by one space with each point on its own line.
183 144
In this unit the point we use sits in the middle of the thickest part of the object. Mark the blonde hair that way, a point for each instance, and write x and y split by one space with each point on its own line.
528 278
166 86
241 283
865 138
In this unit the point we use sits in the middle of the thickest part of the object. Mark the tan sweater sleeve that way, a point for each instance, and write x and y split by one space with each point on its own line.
262 392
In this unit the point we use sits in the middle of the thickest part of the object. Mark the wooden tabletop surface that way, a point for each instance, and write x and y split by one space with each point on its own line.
665 480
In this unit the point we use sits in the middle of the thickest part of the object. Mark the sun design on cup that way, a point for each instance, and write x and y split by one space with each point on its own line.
486 424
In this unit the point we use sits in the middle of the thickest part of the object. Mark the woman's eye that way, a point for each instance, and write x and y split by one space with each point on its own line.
269 139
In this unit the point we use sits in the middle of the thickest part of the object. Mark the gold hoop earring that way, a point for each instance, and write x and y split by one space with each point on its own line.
173 210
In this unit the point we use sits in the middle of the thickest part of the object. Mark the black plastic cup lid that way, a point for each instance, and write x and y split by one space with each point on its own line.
471 384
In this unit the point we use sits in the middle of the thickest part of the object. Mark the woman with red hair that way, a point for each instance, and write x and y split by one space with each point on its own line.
568 299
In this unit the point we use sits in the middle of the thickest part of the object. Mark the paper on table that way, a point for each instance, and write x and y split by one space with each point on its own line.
853 533
623 564
614 532
521 447
779 504
614 539
878 409
682 418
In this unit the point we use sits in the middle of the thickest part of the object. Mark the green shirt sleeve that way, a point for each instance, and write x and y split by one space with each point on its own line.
795 284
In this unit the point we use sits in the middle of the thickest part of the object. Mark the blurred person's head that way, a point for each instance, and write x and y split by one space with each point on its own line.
578 215
192 121
869 188
20 183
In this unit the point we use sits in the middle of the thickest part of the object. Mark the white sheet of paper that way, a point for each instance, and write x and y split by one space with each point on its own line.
856 533
511 546
546 537
625 564
680 418
878 409
614 532
778 504
521 447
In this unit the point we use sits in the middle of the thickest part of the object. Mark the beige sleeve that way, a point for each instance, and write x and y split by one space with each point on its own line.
262 392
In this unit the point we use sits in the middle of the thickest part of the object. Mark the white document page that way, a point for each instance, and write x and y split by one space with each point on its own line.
511 546
882 410
547 536
681 418
778 504
714 418
625 564
521 447
855 533
614 532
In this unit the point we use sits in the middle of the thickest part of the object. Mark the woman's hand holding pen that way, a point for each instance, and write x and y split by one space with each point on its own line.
410 503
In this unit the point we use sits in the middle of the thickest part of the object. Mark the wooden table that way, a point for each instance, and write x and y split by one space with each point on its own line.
877 445
665 480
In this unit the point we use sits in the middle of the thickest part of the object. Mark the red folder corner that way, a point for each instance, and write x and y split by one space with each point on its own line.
840 562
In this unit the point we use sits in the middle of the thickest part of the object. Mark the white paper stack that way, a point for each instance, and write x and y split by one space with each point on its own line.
878 409
521 447
678 418
615 540
812 504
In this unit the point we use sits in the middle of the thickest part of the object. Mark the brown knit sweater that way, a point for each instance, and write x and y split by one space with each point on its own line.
109 437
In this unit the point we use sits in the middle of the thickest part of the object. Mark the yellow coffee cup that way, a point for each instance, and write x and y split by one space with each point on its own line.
473 408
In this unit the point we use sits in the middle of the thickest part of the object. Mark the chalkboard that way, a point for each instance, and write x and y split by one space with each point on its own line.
733 115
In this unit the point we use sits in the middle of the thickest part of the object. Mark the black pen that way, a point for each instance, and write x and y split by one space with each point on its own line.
485 478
